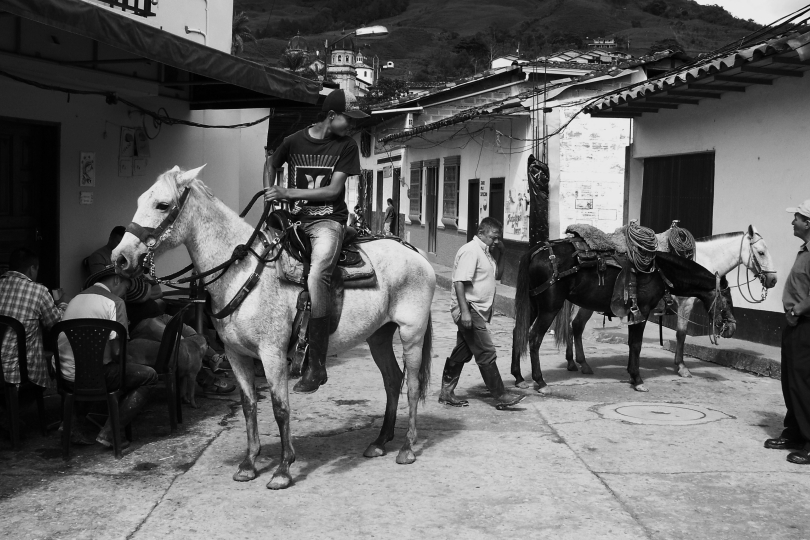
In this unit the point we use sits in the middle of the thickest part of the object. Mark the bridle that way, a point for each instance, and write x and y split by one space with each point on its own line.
153 237
760 272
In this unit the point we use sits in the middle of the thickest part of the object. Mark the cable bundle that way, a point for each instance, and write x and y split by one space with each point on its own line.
641 246
681 241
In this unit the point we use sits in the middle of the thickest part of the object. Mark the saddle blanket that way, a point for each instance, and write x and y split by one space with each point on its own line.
599 240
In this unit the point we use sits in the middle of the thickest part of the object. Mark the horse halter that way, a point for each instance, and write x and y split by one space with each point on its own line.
153 237
759 272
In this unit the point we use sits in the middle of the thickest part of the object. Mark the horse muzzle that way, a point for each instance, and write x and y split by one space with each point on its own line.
769 280
727 328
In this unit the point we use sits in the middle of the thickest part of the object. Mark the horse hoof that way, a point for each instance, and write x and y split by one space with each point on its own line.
523 384
640 388
586 369
374 451
684 372
279 481
405 457
572 366
544 390
244 475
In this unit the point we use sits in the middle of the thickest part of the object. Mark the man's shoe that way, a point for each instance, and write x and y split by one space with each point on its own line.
802 457
503 398
315 373
108 443
452 372
782 443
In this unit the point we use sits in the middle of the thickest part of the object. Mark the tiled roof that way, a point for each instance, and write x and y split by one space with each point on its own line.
787 55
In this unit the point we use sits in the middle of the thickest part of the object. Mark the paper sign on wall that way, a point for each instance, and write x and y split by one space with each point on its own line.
483 196
85 197
138 167
87 169
126 147
125 167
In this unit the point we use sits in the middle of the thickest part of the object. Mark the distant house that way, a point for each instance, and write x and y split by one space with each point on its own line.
721 144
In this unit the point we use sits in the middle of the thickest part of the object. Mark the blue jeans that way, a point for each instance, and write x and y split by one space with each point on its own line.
326 237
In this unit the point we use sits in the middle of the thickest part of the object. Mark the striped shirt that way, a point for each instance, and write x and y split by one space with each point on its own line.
31 304
95 302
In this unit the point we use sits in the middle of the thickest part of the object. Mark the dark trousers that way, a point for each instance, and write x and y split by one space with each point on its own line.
474 342
136 376
796 381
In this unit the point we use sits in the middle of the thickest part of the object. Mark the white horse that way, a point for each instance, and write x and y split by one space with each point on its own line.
720 254
261 326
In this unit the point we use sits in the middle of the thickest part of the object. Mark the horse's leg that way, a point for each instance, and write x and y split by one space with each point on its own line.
275 368
635 336
535 340
569 352
684 310
382 350
413 338
534 348
541 326
577 329
243 371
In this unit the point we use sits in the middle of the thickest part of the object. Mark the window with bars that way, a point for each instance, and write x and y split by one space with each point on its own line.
415 193
452 165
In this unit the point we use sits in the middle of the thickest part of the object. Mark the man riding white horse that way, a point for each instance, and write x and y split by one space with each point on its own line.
320 158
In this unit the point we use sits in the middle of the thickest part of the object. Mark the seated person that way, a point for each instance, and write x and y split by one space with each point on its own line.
103 299
147 320
31 304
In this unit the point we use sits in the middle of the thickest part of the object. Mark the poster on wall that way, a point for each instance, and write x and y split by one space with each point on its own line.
517 211
87 169
126 147
138 166
125 167
592 156
141 143
483 197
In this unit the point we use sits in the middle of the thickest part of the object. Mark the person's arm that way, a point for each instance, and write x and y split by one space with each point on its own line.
463 305
49 313
322 194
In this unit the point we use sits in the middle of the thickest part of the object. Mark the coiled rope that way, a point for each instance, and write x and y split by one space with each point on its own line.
641 246
681 241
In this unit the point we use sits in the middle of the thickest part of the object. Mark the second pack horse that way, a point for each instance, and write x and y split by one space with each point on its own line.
568 270
180 210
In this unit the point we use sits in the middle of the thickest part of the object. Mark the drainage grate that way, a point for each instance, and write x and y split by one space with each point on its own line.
660 414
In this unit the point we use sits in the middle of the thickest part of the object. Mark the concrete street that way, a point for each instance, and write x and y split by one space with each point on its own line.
570 464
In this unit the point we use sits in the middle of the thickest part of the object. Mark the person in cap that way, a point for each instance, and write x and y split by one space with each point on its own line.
795 349
102 298
319 159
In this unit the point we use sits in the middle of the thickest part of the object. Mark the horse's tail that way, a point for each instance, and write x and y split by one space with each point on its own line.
562 325
427 360
523 307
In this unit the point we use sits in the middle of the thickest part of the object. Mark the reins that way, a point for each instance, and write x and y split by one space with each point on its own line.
759 272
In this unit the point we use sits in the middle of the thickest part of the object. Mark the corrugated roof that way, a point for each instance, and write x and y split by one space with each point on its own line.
787 55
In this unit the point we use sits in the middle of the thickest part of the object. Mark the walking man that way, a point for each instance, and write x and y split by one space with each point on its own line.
320 158
471 307
389 218
795 350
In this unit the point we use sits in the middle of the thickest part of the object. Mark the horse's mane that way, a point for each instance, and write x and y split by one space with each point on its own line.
719 236
685 271
171 180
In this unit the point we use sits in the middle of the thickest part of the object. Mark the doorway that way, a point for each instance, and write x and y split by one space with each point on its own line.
395 196
29 194
496 198
432 206
472 208
379 212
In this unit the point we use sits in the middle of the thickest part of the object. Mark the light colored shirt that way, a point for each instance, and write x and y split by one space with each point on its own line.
32 305
797 285
95 302
475 267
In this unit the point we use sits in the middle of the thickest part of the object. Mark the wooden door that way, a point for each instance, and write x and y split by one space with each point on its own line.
29 194
472 208
432 207
496 198
395 196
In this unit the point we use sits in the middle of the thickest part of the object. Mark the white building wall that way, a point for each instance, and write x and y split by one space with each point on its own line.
760 142
213 17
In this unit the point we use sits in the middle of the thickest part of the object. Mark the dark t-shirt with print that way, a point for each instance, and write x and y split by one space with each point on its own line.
311 163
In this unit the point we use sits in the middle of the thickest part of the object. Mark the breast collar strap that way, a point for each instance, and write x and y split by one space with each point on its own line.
152 237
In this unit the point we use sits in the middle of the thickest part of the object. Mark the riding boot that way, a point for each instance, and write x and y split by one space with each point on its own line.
315 373
452 372
128 409
503 397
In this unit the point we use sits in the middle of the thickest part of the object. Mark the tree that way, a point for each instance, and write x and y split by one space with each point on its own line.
665 44
293 61
240 33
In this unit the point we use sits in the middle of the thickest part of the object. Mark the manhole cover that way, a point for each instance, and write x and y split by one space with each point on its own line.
660 414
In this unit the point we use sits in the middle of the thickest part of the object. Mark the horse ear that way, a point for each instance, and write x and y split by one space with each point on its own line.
188 176
751 231
175 169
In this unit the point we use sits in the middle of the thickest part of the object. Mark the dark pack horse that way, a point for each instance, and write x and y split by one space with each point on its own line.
545 284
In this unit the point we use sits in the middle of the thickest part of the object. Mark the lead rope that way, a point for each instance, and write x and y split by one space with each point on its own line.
759 276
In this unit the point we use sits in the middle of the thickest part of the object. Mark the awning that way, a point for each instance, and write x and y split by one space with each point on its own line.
141 40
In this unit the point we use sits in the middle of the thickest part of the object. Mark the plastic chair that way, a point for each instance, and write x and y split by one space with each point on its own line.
166 366
88 338
11 391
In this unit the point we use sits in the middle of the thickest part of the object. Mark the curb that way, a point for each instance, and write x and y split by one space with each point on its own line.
733 358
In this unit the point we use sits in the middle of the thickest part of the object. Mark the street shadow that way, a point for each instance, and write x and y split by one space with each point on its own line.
771 423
